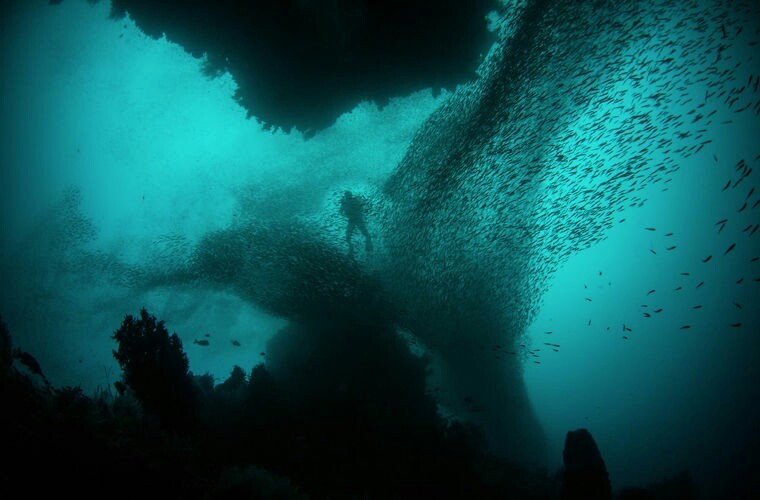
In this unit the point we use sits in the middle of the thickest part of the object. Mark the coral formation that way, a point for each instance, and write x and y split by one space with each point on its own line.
156 369
324 420
585 475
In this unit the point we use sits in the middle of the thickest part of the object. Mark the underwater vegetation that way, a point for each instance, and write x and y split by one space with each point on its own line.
156 368
310 426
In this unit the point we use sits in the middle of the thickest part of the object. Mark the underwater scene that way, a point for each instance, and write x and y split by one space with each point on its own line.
380 249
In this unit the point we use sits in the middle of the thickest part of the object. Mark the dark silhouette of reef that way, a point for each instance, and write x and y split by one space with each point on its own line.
678 487
327 417
585 475
156 368
302 63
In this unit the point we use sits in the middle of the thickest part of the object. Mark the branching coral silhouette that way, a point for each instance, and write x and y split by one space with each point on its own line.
156 368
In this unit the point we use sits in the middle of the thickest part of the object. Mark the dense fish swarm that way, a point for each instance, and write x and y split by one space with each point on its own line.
581 105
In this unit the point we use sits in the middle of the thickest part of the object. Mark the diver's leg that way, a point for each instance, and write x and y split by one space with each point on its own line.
349 233
367 239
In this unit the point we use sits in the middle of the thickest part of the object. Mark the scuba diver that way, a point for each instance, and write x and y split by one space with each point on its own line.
352 207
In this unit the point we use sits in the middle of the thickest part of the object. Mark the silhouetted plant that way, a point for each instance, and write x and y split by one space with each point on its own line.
223 406
156 368
205 383
234 382
72 402
5 347
254 482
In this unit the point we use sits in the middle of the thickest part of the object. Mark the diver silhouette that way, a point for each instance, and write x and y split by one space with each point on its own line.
353 207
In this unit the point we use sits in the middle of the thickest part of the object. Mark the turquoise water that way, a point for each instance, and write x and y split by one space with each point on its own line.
119 158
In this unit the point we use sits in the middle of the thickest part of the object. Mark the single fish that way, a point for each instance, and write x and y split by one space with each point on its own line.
650 292
707 259
236 343
29 361
736 325
202 342
697 307
700 284
671 248
685 327
731 247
